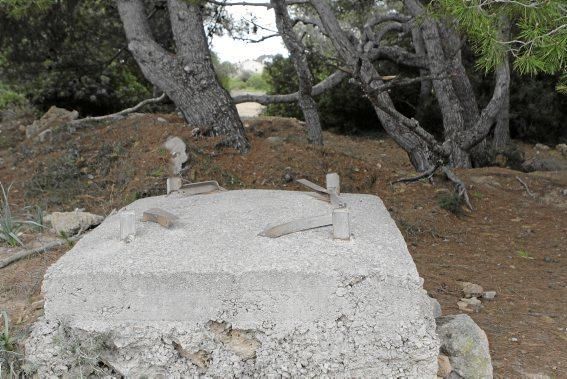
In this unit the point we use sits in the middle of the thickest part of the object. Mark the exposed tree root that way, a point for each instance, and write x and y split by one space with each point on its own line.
426 174
460 187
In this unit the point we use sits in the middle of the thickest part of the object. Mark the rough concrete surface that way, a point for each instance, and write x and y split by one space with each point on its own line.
210 297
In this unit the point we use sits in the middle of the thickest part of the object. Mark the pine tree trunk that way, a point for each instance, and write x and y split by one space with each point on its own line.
299 58
451 108
187 77
425 87
395 124
502 130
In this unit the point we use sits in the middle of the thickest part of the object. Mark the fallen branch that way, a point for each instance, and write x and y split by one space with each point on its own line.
122 113
525 186
460 186
28 253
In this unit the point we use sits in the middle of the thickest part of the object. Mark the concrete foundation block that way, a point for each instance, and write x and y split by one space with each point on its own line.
211 297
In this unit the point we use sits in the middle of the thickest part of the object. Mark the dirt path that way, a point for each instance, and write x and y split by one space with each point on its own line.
248 110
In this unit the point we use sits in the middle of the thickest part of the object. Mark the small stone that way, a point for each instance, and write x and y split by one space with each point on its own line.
464 306
471 300
177 148
489 295
70 223
444 366
53 118
160 216
161 119
541 146
471 289
562 148
514 339
45 136
275 140
466 346
436 307
470 304
341 292
288 178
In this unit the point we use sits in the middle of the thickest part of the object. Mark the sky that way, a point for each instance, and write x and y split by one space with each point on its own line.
229 49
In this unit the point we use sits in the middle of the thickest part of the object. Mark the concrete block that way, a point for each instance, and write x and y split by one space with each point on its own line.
212 298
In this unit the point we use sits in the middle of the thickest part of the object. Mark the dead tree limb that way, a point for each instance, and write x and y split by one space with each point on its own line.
122 113
28 253
525 186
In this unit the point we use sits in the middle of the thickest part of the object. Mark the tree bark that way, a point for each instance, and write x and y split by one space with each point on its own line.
451 108
465 127
299 59
502 130
396 125
187 77
425 86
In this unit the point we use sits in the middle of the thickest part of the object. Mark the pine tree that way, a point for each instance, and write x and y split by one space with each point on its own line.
538 33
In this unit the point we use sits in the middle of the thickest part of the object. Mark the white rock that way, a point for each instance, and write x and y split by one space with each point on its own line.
275 140
489 295
466 345
562 148
541 146
177 148
436 307
471 289
69 223
53 118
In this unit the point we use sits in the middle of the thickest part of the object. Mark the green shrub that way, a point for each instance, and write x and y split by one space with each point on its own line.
71 54
258 82
10 97
451 202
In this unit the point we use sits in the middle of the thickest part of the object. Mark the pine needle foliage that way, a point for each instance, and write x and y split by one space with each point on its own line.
537 40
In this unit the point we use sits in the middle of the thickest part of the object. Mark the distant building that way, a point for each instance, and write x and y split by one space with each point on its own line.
265 59
251 66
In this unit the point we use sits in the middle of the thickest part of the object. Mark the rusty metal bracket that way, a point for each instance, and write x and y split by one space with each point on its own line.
298 226
189 189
